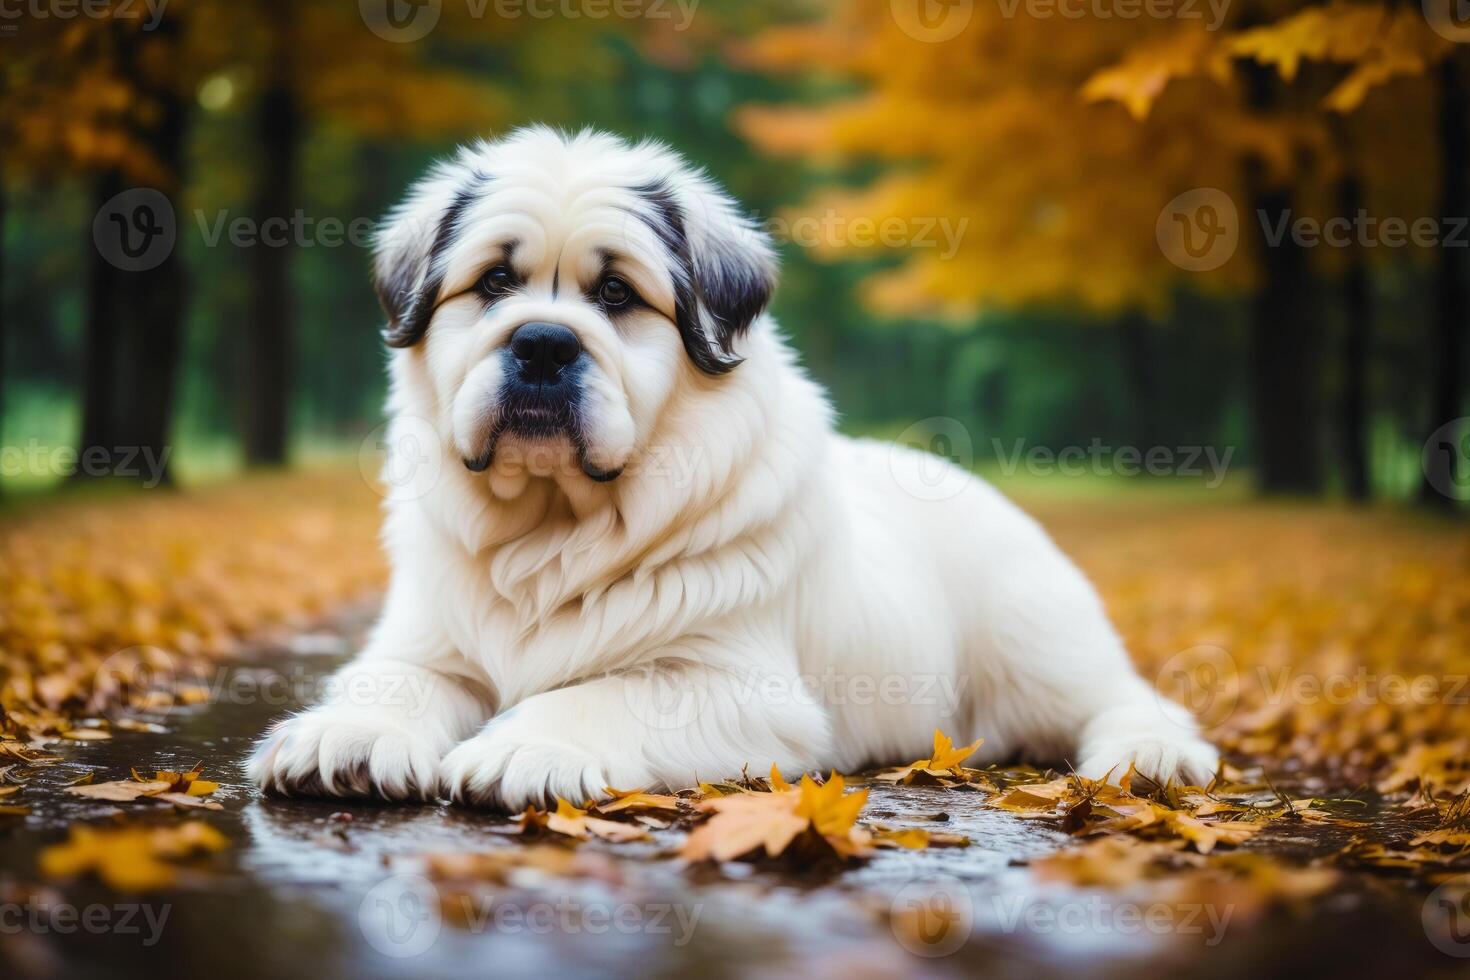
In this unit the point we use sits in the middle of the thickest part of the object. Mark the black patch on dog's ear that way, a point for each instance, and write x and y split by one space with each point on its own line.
718 290
409 310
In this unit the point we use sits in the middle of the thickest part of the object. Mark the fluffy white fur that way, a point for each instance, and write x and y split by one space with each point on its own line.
753 589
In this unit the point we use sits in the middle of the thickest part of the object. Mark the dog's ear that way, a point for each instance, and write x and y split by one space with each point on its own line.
723 265
410 251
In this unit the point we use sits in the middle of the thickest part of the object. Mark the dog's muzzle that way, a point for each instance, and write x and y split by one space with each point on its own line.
542 392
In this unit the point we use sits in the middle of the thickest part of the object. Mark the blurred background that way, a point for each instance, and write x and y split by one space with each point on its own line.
1213 243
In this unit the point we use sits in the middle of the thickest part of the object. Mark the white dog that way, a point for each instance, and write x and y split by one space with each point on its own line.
645 555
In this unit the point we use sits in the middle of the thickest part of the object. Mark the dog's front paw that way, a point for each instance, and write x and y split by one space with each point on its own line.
1160 756
1157 737
513 764
332 751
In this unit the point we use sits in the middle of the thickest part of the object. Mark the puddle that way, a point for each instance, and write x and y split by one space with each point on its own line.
300 894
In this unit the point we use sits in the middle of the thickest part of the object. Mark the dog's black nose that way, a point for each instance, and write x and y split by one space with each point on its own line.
543 350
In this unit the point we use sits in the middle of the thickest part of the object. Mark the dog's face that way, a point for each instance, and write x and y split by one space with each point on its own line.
560 289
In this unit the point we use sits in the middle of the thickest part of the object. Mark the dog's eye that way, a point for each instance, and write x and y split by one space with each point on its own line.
498 281
615 293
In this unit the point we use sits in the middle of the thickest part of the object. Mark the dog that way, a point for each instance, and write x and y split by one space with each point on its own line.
645 556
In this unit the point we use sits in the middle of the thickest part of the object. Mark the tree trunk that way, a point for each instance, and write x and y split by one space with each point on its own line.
1443 460
1286 329
135 316
1353 409
1286 342
1140 364
3 202
155 300
102 336
267 374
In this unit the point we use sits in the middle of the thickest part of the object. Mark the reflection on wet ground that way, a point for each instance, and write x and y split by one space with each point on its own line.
302 892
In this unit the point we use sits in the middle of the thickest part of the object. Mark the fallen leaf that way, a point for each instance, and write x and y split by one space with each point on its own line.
574 822
129 858
942 767
120 790
637 801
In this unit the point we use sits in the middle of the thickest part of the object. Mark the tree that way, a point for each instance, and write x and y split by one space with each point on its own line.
266 382
297 91
103 97
1062 139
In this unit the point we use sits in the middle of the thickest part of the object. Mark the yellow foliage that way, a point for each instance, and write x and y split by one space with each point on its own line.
123 604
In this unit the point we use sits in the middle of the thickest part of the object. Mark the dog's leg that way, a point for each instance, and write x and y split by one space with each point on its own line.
1059 683
387 719
662 726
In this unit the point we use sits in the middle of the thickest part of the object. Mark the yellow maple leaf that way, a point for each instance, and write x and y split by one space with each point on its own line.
946 756
830 808
744 823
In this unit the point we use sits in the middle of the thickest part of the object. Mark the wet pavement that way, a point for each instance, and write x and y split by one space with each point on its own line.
324 890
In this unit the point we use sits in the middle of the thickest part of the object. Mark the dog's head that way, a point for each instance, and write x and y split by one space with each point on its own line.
556 290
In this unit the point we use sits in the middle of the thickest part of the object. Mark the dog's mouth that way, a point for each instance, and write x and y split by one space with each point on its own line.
540 419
